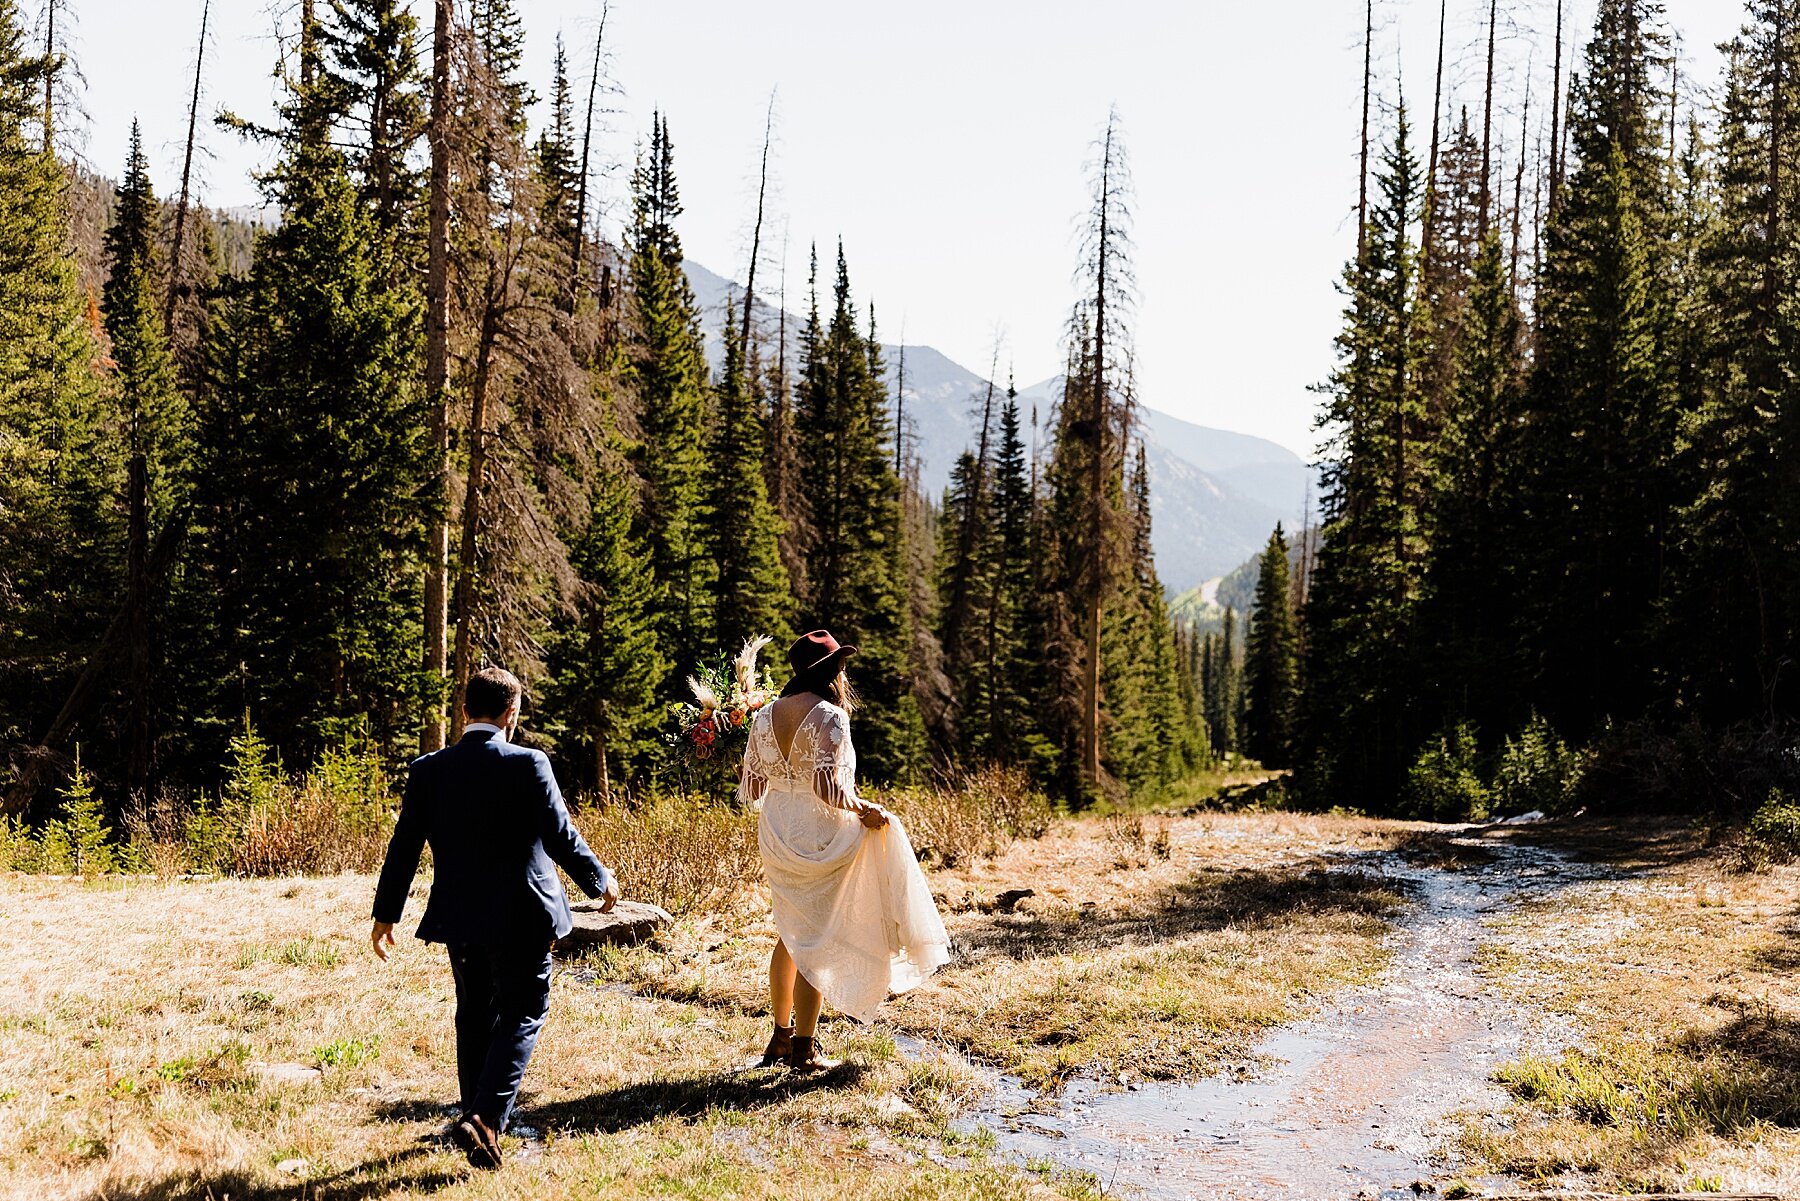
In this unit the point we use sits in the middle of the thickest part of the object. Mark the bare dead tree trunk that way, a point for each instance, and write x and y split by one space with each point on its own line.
587 141
1487 121
1519 189
762 191
309 44
437 377
1090 701
900 409
1777 132
49 72
1674 105
187 178
1431 179
1362 184
1556 103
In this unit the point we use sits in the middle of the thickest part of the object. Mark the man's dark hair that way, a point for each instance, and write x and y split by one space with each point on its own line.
491 692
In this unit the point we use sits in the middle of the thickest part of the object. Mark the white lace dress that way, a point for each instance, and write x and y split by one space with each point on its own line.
850 903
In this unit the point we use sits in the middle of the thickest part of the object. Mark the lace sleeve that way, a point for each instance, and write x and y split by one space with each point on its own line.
753 774
834 762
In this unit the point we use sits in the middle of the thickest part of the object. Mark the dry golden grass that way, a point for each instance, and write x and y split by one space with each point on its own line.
1677 981
145 1027
1164 971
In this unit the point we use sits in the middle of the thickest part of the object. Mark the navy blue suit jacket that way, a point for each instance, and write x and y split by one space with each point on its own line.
496 824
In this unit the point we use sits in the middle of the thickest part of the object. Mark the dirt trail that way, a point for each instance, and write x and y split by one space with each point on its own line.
1353 1101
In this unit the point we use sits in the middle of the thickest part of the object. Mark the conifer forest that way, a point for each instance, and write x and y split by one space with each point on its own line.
300 478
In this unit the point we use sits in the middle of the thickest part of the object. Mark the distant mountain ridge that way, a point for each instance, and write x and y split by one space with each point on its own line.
1214 494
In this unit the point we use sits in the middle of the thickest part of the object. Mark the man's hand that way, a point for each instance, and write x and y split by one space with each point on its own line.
610 895
382 931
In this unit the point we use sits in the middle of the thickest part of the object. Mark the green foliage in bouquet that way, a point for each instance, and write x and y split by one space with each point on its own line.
711 730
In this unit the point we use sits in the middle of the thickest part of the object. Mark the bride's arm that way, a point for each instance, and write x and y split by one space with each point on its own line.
834 779
829 788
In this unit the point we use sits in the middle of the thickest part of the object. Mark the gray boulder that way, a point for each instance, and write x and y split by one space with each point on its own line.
629 923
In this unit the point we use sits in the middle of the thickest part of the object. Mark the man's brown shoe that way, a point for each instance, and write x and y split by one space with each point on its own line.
805 1057
478 1142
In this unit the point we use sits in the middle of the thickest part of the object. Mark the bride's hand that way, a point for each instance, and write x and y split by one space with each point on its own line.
873 816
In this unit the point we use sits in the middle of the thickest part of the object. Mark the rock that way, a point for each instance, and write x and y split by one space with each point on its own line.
1522 819
892 1108
292 1167
629 923
285 1073
1009 900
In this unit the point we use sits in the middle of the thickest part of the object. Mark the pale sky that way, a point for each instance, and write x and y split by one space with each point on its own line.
945 142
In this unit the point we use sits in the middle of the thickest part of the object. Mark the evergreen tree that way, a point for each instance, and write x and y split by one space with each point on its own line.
751 590
668 371
1599 424
312 451
154 417
60 461
1734 612
1271 661
1470 596
1355 731
607 667
559 172
154 413
853 496
376 88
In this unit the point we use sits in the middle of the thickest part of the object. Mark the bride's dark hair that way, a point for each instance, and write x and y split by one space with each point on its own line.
827 680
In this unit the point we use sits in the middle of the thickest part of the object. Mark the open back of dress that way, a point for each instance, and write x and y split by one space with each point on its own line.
850 903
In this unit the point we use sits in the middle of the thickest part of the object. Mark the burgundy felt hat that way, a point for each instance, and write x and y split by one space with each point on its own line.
810 650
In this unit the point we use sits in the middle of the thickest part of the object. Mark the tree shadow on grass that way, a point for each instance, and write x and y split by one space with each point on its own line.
394 1175
689 1096
1207 901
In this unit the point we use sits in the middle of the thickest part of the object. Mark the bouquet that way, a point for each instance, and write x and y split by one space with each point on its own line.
727 696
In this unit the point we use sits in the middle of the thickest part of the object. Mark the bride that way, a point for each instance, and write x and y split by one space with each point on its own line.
854 917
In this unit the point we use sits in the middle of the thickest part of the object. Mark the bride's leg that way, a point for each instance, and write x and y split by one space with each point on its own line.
807 1003
781 985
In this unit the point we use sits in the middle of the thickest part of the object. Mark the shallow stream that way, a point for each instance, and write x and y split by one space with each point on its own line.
1353 1102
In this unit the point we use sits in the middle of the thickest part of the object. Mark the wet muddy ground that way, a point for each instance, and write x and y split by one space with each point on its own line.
1355 1102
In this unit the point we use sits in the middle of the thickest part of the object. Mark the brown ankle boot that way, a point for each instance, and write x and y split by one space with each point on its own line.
781 1045
805 1057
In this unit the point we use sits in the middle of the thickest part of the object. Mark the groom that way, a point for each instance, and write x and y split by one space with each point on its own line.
496 824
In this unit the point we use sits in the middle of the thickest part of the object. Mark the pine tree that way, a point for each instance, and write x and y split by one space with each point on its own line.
60 461
853 497
1271 661
154 413
155 421
1598 426
377 90
1470 597
1356 728
312 450
607 667
1734 611
668 372
751 591
557 168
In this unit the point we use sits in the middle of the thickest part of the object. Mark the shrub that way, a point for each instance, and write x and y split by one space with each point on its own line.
266 823
976 815
1538 770
1774 835
681 854
1444 783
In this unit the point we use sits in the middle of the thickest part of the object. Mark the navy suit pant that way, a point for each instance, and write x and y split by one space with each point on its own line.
502 995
